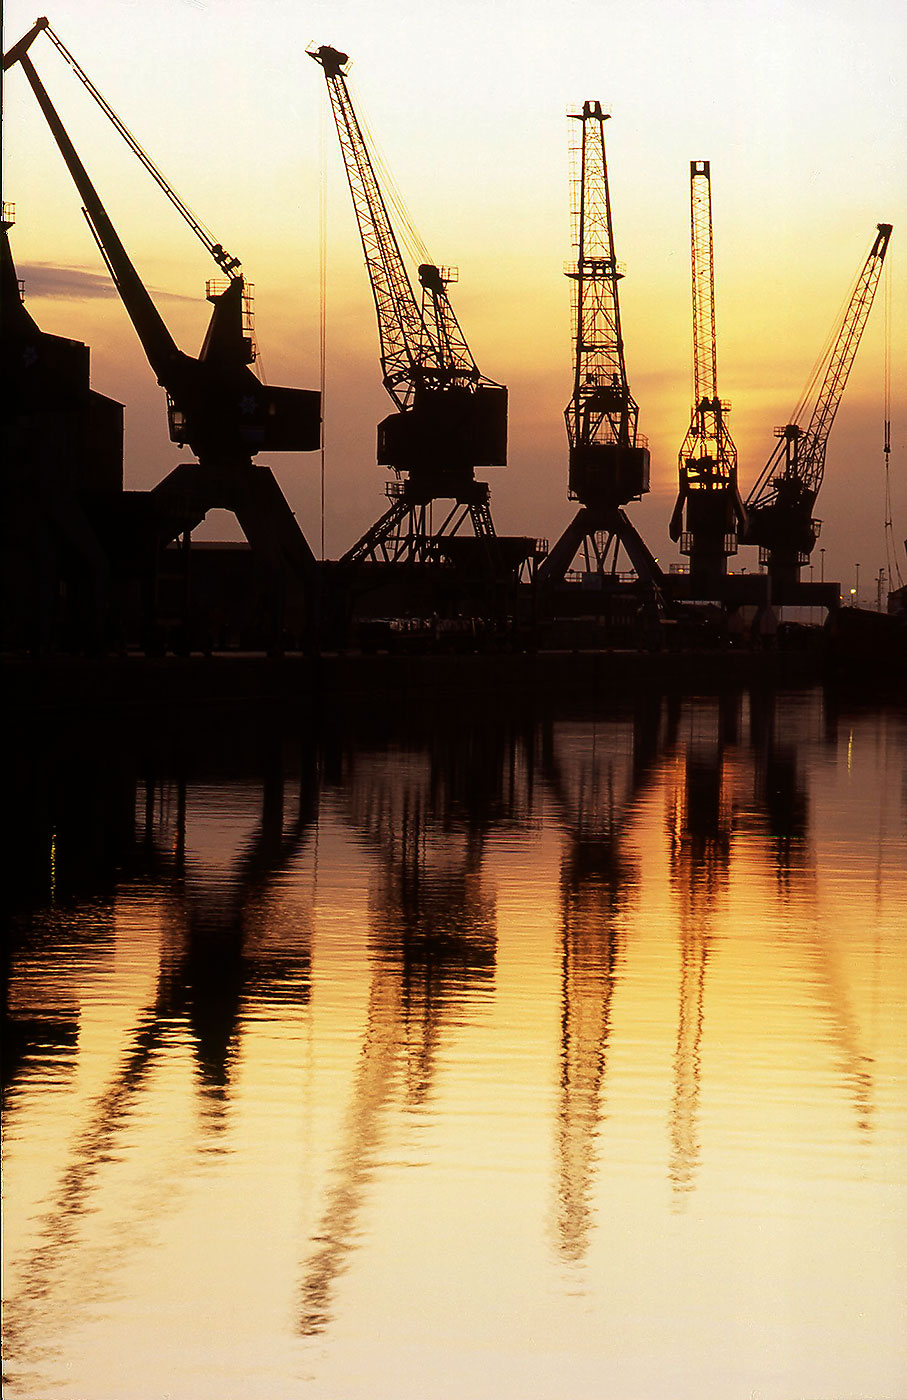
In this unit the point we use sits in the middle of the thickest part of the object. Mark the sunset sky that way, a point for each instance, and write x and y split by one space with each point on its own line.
799 106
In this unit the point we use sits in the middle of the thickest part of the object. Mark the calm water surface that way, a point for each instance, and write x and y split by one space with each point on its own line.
555 1059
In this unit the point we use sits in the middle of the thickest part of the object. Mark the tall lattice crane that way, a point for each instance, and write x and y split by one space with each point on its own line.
450 418
609 458
780 506
708 496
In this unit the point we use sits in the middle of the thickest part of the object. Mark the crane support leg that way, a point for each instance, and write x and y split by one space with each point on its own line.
253 495
583 527
553 568
638 552
373 544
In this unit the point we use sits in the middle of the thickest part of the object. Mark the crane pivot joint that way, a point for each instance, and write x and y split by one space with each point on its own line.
332 60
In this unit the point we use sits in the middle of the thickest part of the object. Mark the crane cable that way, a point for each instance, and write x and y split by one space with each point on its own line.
894 568
322 285
404 227
811 394
225 260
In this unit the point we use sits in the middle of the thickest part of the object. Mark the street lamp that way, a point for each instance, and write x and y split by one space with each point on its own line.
856 590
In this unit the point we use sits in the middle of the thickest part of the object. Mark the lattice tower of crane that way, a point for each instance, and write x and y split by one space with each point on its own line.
450 418
708 509
608 457
780 506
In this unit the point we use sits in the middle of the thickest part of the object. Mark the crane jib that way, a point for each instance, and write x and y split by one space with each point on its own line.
226 261
780 506
420 346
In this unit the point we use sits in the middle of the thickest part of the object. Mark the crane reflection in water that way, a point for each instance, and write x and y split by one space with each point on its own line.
423 816
207 854
700 822
596 775
221 950
781 792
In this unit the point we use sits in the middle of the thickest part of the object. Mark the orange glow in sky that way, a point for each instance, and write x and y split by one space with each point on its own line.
800 108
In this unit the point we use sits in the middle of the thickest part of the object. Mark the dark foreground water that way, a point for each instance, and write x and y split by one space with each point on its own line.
552 1059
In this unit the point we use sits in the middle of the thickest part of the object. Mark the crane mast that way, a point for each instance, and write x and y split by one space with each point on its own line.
602 415
450 418
608 457
707 466
780 506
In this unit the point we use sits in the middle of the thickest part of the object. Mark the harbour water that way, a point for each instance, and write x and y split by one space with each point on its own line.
461 1057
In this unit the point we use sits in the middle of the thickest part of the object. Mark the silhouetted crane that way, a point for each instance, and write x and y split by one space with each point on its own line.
434 934
707 465
450 418
609 459
216 405
780 506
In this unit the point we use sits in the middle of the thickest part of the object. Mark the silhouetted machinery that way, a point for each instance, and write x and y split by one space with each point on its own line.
450 418
780 506
216 405
609 459
61 449
709 508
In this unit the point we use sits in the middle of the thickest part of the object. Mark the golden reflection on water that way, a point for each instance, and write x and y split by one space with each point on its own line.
557 1057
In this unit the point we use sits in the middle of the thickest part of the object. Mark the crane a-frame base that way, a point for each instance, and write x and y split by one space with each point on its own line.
405 532
599 533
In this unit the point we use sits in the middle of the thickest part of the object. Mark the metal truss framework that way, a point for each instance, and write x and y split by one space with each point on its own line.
780 505
608 457
707 463
450 417
405 533
602 409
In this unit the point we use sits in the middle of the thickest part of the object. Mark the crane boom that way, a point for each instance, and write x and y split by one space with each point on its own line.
841 360
228 264
779 507
215 403
157 342
422 346
406 348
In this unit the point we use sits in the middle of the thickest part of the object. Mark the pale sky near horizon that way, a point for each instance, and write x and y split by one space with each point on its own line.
800 107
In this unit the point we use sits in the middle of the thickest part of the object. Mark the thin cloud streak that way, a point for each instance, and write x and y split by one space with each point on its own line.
45 280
